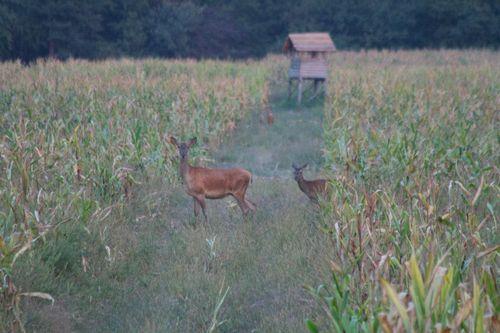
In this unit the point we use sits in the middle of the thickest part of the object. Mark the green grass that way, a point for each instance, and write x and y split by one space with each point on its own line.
262 261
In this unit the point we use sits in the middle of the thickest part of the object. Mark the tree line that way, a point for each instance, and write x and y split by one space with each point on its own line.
96 29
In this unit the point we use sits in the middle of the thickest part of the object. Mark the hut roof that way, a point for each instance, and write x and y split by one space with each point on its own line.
309 42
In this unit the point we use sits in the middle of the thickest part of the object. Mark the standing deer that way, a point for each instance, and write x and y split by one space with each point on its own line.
205 183
312 188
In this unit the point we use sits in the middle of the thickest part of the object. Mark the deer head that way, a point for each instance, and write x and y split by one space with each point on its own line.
183 147
297 171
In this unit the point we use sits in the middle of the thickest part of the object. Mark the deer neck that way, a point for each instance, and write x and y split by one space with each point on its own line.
302 184
184 168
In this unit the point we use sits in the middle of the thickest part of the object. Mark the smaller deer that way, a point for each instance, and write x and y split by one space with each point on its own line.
270 117
312 188
205 183
266 116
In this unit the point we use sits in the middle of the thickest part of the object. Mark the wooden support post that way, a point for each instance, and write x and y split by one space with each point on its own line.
316 86
299 96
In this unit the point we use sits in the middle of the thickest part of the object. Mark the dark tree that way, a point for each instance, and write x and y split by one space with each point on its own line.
235 28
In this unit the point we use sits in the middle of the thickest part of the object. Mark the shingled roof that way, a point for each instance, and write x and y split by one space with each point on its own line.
309 42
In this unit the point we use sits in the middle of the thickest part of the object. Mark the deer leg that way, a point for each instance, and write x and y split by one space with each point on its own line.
196 207
243 206
242 203
250 204
203 205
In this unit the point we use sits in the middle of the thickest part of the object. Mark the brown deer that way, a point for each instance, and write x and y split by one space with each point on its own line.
314 189
270 117
205 183
266 116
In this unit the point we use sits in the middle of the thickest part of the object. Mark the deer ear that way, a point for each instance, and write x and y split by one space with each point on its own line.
294 166
304 166
172 140
192 142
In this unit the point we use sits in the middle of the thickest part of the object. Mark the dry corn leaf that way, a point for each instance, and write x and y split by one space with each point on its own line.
488 251
39 295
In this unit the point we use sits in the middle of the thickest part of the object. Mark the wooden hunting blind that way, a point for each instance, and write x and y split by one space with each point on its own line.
308 53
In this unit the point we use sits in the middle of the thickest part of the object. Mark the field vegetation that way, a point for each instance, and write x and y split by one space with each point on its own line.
77 137
97 233
412 141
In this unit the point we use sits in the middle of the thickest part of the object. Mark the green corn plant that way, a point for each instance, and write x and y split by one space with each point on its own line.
215 322
336 302
437 301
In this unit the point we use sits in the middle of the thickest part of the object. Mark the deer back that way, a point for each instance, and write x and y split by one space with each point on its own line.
313 188
216 183
319 186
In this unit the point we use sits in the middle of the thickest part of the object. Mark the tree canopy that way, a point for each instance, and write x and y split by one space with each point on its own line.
235 28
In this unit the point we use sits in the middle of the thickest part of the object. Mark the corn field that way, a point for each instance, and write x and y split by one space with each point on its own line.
412 138
409 236
77 136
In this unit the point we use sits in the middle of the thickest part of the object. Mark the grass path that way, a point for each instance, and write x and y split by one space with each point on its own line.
264 261
296 136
